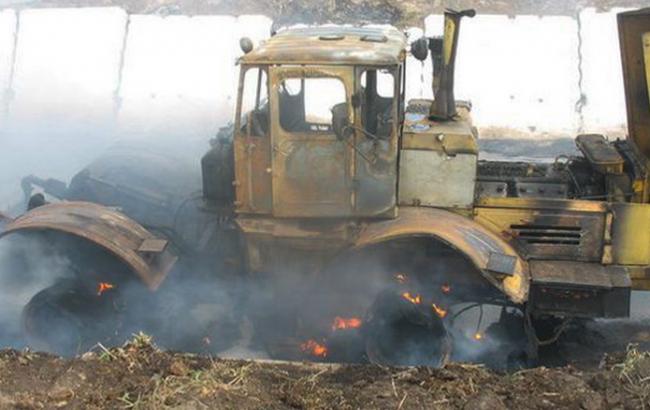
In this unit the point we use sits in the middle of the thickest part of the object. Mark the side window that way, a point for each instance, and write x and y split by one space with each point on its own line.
377 89
306 103
255 107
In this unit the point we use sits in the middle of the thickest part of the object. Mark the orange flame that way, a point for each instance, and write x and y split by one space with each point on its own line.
445 288
103 287
313 347
400 277
478 336
346 323
439 311
416 300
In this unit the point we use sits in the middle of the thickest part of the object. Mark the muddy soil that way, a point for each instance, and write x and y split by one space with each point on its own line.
398 12
139 376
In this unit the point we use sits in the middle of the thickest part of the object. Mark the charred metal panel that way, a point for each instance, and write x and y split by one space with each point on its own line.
632 28
600 153
433 178
539 189
331 45
149 257
646 52
579 289
541 229
640 276
252 154
375 181
312 171
491 189
630 234
438 160
280 245
376 146
253 174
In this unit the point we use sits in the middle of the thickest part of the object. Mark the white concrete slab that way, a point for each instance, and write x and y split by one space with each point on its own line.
66 67
604 109
180 75
520 73
7 30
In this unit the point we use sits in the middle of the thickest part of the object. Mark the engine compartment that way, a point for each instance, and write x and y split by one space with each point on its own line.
603 175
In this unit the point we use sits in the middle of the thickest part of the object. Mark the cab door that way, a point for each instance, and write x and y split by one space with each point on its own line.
376 135
311 166
252 147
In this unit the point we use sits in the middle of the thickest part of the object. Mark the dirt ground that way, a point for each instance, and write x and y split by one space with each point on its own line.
141 377
398 12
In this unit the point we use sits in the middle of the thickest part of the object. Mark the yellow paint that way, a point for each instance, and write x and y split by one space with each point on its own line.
646 53
465 235
631 234
640 276
450 28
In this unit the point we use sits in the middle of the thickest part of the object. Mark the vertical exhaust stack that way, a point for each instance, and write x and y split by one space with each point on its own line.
444 103
443 56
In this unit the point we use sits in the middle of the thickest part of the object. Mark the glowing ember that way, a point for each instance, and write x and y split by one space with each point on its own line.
478 336
445 288
314 348
346 323
439 311
400 277
416 300
103 287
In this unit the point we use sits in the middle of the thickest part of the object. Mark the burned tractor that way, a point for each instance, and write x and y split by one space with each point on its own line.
344 223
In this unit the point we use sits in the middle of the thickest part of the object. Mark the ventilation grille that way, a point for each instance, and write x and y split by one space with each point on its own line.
548 234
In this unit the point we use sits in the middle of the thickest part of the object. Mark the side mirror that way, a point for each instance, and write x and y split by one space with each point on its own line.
341 121
246 45
420 48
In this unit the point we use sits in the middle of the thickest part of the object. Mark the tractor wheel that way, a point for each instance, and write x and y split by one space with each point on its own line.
67 318
399 332
63 295
398 295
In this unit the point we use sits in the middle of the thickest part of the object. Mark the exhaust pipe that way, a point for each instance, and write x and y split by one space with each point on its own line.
443 56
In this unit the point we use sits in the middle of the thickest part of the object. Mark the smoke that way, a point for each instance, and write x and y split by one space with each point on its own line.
28 266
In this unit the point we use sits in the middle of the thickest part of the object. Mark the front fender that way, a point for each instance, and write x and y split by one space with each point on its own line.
497 261
147 256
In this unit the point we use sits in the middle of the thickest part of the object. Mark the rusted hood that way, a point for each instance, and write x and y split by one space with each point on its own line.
149 257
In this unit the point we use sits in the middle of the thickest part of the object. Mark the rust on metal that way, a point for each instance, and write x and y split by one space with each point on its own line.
470 238
331 45
632 26
548 233
107 228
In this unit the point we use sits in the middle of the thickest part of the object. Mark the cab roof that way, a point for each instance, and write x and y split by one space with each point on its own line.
331 45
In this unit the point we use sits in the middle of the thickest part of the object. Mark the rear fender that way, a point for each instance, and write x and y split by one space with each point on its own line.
497 261
148 257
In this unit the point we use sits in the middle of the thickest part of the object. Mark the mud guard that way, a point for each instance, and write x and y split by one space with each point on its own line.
147 256
497 261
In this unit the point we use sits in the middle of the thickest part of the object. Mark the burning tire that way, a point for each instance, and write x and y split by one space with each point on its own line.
399 332
67 318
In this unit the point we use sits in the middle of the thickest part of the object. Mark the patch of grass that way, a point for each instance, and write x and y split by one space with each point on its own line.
635 372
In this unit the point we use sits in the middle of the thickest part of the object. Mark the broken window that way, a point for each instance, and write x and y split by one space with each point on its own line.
377 92
306 103
255 107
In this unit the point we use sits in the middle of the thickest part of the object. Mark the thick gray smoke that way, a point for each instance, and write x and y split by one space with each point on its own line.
21 278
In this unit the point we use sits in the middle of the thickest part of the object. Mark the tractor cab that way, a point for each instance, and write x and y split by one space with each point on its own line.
317 123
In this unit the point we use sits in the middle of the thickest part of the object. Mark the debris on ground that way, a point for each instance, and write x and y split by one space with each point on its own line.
139 376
